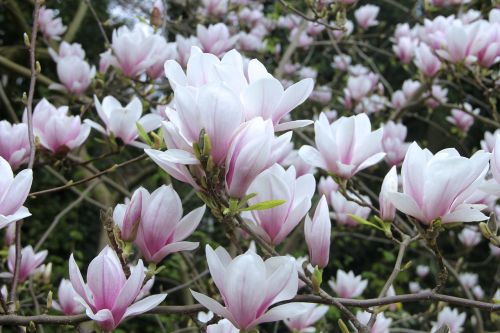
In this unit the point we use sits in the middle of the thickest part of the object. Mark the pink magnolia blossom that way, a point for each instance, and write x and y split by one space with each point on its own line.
10 234
14 143
488 144
66 296
105 60
390 184
326 186
393 142
495 159
237 280
339 34
184 46
120 121
405 49
223 326
469 237
50 25
67 50
437 97
342 208
214 7
127 216
461 119
162 229
422 271
215 39
317 232
469 280
163 51
75 75
341 62
304 322
133 49
108 296
277 184
450 318
30 261
344 147
366 16
13 193
437 186
460 42
348 285
58 132
381 324
426 61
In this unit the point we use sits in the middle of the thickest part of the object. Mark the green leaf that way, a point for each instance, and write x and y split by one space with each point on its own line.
365 222
143 135
264 205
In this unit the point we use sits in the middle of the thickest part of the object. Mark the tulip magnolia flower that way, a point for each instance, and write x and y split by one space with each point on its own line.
450 318
67 303
128 216
50 25
437 186
317 232
277 184
303 322
469 237
14 143
381 324
108 296
342 208
238 279
461 119
348 285
390 184
67 50
13 194
30 261
121 121
426 61
469 280
162 229
345 147
223 326
57 131
75 75
215 39
214 7
393 143
366 16
326 186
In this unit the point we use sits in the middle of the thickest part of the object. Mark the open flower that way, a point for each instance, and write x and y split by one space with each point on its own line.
108 296
344 147
381 324
238 279
50 25
14 143
162 229
437 186
348 285
30 261
450 318
309 315
13 193
67 303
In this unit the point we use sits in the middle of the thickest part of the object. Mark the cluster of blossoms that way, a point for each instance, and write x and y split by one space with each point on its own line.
230 133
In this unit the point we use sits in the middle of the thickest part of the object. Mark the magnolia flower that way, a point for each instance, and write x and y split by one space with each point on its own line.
204 317
495 250
304 322
345 147
381 324
469 280
489 140
437 186
106 59
57 131
14 143
326 186
13 194
458 42
67 50
127 216
469 237
10 234
163 51
366 16
478 292
348 285
422 271
133 49
426 61
121 121
66 296
248 155
214 7
184 46
277 184
30 261
75 75
108 296
237 280
343 208
50 25
215 39
393 142
451 319
461 119
162 229
414 287
390 184
223 326
341 62
317 232
405 49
